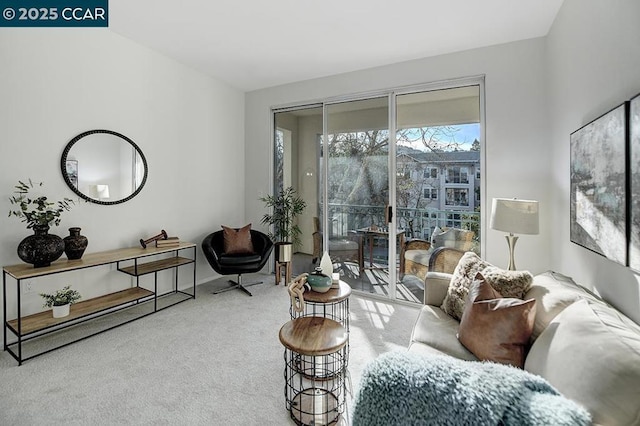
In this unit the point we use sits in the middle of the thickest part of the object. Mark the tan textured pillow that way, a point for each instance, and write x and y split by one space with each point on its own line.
468 266
237 241
508 283
494 328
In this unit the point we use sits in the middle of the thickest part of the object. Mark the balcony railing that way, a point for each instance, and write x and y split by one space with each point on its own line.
417 223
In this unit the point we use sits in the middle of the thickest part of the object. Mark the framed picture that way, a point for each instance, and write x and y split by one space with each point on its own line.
72 171
634 176
599 185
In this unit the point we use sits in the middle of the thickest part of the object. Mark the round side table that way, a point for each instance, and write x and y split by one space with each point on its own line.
334 304
315 366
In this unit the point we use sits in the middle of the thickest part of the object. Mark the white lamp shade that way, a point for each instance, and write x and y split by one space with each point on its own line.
515 216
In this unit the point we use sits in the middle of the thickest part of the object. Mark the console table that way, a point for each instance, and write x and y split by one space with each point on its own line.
134 261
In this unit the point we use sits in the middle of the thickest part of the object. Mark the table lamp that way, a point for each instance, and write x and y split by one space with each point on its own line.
515 217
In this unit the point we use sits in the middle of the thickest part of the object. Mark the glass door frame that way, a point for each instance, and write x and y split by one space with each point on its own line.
390 202
391 95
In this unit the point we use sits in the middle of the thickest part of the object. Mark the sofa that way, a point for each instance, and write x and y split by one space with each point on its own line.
585 348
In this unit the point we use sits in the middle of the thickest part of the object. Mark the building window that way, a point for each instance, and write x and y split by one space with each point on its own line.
454 220
405 172
457 174
431 193
478 173
457 197
431 173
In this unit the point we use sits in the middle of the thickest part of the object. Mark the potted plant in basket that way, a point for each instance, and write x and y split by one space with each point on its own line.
41 248
286 207
60 301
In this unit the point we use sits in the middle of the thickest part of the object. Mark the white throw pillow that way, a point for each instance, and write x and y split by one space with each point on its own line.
590 353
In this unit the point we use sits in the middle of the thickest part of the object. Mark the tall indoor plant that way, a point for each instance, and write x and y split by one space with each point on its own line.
41 248
285 207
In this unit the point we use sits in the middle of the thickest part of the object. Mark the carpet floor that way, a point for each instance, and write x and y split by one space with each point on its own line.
213 360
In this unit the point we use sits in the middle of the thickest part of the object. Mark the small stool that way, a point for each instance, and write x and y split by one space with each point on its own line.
315 366
333 304
287 272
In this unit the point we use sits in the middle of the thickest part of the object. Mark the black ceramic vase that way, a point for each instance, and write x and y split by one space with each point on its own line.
41 248
75 244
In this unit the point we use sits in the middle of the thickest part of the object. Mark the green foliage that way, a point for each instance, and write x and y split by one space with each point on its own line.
61 297
471 223
286 206
37 211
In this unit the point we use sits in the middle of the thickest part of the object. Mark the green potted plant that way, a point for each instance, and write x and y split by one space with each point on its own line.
41 248
60 301
285 208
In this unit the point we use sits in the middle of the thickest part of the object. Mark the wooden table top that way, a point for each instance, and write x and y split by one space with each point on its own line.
313 336
331 296
25 270
378 231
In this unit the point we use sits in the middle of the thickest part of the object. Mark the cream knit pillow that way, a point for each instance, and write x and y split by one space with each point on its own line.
508 283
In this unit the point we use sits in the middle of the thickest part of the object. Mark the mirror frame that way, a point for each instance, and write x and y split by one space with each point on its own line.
63 166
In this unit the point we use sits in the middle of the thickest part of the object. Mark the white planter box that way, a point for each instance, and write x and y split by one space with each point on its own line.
61 311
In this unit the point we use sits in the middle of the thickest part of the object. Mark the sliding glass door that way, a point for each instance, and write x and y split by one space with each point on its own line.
437 177
297 135
380 174
361 239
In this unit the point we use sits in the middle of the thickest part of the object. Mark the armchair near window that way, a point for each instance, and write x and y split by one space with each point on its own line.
237 263
418 252
341 249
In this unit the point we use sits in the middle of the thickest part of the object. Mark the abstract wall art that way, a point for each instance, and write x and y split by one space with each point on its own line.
599 185
634 175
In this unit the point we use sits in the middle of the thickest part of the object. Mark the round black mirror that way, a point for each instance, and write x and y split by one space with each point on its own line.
104 167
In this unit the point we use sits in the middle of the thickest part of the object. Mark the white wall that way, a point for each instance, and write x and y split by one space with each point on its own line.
537 92
57 83
594 58
516 129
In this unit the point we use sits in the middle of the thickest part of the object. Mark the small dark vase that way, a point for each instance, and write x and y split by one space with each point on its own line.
75 244
41 248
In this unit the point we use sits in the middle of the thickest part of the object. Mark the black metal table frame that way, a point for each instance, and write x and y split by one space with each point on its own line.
22 338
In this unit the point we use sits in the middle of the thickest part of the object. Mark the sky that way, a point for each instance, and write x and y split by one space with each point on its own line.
465 135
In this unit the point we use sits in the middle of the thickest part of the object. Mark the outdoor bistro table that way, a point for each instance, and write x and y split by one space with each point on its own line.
370 233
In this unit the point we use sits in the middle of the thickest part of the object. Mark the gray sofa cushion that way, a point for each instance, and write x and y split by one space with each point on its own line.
438 330
553 293
591 353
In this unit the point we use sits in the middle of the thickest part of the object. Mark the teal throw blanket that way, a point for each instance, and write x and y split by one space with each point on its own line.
403 388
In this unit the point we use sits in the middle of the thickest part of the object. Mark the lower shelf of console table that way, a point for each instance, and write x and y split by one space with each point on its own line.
137 302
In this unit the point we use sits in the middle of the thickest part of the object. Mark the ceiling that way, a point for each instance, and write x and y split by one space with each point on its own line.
254 44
